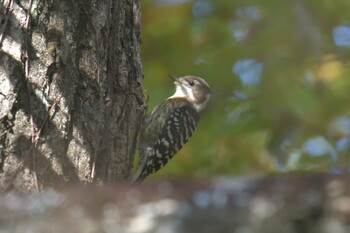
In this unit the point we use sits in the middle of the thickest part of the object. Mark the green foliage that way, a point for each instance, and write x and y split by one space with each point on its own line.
283 60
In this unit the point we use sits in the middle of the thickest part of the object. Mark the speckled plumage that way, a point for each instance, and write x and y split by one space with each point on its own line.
170 124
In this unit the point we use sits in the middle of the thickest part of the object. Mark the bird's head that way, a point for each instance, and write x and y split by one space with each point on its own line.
194 89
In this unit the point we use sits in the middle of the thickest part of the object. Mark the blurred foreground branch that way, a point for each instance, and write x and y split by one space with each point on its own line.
312 203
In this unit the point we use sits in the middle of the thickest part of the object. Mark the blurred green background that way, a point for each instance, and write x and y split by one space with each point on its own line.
280 78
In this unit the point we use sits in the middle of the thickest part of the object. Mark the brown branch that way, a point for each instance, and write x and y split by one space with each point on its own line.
53 106
26 67
26 75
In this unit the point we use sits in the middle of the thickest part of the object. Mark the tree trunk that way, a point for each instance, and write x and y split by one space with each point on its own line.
70 91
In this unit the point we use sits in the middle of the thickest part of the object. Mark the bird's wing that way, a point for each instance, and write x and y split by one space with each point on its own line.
166 135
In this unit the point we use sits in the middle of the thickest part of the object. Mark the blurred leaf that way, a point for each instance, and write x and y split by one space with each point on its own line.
279 73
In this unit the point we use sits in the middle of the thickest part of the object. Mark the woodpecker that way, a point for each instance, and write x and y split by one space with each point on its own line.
170 124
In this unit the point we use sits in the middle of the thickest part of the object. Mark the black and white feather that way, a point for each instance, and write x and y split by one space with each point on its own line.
170 125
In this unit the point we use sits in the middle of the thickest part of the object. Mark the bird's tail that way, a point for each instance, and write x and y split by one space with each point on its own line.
138 177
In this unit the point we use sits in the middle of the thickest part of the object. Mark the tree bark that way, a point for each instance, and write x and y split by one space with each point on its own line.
70 91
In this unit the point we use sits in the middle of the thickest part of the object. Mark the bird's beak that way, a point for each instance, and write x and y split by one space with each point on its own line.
175 79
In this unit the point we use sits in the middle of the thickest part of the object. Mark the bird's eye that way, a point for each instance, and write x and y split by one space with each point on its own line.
191 83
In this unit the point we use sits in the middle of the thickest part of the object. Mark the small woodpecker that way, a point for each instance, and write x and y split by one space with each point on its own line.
170 124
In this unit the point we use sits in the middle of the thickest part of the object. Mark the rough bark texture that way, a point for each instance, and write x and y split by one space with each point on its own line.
307 204
70 91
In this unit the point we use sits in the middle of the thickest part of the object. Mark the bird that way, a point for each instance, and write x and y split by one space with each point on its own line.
170 124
